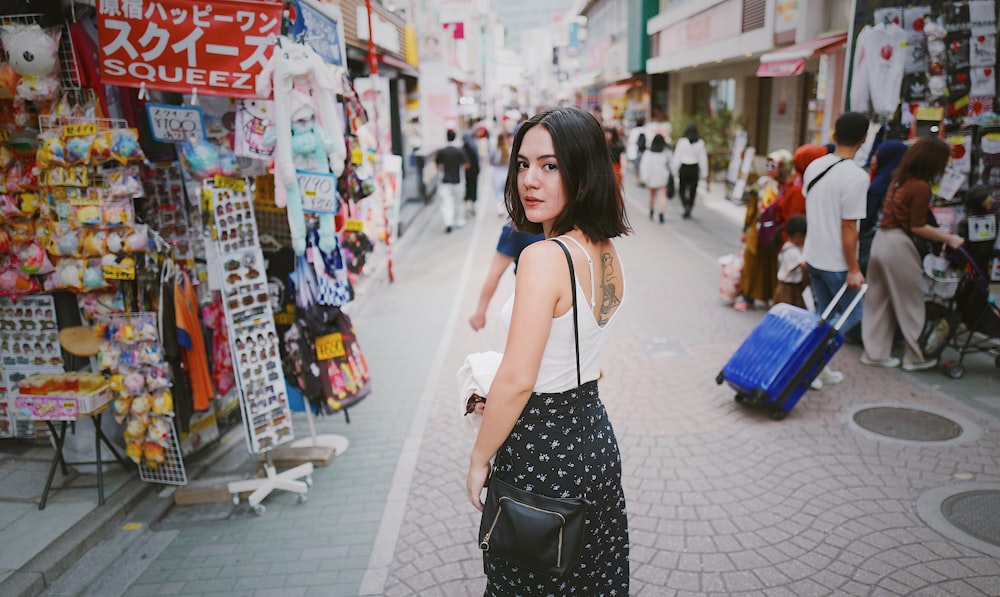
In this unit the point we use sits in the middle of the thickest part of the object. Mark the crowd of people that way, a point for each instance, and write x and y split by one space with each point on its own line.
818 219
811 221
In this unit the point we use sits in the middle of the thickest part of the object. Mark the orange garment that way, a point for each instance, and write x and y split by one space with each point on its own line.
192 342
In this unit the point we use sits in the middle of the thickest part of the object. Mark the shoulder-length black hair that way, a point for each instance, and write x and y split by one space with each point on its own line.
658 144
594 202
691 132
925 160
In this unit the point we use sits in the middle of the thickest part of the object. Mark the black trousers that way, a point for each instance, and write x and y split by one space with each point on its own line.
471 184
687 186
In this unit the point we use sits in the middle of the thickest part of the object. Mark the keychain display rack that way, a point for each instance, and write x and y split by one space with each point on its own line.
29 344
253 338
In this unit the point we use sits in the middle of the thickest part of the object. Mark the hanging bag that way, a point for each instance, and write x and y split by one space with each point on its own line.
539 532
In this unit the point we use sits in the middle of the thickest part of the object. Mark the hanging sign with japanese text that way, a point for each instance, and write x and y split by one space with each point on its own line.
215 46
175 124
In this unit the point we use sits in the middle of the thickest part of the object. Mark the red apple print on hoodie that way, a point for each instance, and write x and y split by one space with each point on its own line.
886 52
918 24
957 152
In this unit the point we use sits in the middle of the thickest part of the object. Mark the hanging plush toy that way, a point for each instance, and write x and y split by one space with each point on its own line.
33 54
297 66
311 146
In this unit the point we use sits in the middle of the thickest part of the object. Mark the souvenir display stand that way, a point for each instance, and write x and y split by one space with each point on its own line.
253 338
930 69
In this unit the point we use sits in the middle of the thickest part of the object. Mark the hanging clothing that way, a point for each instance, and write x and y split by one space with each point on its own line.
192 342
222 360
181 388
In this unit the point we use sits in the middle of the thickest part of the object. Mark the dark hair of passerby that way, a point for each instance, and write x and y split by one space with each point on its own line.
658 144
796 225
691 132
451 135
594 201
924 160
851 128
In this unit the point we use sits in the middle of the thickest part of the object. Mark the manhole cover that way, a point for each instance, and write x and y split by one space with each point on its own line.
907 423
976 513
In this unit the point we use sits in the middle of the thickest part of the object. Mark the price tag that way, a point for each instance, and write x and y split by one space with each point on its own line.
119 272
175 124
319 192
354 226
80 130
330 346
228 182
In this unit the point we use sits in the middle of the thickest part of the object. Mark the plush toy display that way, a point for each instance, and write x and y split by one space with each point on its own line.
295 66
33 53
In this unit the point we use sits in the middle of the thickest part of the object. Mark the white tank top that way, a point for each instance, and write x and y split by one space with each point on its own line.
557 372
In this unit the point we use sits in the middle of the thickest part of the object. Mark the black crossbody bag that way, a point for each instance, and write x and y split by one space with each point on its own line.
545 534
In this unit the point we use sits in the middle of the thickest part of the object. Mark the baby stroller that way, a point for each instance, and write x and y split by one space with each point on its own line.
961 313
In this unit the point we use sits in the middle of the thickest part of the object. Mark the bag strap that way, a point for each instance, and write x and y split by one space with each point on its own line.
576 338
822 174
576 323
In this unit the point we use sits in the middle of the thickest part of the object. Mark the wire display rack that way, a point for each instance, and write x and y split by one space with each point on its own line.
171 471
69 68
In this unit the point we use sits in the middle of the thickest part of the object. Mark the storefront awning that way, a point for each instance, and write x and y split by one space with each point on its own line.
791 60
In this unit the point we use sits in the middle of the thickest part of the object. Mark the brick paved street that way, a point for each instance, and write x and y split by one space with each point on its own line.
722 500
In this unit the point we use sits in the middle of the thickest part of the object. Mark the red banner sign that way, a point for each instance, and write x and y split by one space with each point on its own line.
216 46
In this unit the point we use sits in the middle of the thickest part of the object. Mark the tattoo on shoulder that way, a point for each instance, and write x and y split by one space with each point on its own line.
609 285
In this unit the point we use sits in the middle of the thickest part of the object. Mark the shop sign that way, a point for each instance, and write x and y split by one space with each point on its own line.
217 47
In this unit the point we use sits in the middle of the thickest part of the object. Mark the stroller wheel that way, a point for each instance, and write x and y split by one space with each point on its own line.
954 370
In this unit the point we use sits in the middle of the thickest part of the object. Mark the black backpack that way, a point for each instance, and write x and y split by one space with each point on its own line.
641 142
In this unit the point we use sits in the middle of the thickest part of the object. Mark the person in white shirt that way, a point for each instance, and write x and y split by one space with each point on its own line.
836 191
792 277
689 165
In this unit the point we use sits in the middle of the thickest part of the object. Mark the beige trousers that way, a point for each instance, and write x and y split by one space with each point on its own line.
895 296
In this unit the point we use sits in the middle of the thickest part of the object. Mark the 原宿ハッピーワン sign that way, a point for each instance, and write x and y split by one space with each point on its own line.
216 46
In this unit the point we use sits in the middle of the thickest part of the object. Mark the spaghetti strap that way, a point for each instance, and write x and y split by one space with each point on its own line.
590 264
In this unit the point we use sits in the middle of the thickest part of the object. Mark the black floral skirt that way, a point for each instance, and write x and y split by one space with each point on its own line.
542 455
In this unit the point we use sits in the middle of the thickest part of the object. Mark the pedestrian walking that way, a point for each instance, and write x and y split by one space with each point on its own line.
835 190
545 431
690 164
635 145
499 160
471 147
895 274
654 172
451 161
509 247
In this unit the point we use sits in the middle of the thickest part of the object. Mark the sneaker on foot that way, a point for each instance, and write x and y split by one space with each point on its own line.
661 218
928 364
829 376
816 384
887 363
740 305
447 229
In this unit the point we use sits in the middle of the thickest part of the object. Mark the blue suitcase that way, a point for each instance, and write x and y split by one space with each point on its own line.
782 356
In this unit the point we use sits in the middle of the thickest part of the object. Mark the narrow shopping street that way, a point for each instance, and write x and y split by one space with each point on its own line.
722 500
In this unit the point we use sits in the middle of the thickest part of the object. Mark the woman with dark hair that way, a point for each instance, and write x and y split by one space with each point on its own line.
616 148
545 431
895 273
690 163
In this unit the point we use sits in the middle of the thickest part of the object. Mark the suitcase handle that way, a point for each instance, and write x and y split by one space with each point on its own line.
850 308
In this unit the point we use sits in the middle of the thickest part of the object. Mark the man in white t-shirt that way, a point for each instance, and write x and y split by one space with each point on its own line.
836 200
